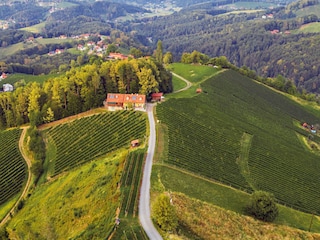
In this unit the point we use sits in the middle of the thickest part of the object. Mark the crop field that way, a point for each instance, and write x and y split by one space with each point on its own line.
130 185
87 138
12 166
206 134
130 182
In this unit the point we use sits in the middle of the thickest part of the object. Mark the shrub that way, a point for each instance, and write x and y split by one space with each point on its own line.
263 207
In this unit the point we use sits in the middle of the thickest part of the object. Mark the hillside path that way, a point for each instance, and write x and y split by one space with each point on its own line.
26 188
144 203
189 84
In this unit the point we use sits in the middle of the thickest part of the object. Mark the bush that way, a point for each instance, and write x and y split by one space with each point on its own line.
262 206
164 213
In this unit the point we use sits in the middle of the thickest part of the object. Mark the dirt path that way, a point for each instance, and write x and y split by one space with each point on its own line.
189 84
26 188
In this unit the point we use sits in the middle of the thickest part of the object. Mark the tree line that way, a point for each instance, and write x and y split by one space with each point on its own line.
80 89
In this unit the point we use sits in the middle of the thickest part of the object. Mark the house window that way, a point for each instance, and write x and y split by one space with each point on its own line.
111 96
134 98
127 98
140 98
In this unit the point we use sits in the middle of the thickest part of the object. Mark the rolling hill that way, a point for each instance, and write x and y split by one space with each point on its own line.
243 134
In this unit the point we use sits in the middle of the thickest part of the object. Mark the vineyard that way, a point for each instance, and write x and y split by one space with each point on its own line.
205 135
130 185
87 138
12 166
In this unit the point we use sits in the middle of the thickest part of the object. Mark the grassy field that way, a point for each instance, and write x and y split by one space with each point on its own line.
309 28
13 170
221 195
80 204
205 135
12 49
196 74
200 220
16 77
35 28
92 136
177 83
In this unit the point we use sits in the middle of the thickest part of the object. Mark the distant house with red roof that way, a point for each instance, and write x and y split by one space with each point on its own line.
3 76
118 101
156 97
117 56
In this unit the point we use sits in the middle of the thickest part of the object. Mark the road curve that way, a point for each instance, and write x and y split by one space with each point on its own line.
189 84
144 203
26 188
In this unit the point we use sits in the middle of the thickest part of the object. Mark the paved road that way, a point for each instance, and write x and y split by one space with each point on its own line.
144 204
26 188
189 84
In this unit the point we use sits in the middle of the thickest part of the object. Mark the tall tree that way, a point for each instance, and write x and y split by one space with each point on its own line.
159 52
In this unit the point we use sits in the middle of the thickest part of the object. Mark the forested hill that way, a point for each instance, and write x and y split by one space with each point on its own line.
81 89
245 39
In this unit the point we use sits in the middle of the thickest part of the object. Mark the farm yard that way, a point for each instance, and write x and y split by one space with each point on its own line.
87 138
205 132
13 169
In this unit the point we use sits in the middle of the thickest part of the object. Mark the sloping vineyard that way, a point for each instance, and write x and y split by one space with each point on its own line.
13 171
84 139
205 133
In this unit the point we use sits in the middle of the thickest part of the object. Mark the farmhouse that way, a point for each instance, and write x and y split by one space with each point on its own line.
118 101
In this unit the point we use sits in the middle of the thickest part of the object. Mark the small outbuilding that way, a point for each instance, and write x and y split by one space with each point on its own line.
7 87
156 97
135 143
199 90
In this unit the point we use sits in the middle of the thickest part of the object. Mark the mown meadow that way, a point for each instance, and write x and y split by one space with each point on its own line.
13 170
206 137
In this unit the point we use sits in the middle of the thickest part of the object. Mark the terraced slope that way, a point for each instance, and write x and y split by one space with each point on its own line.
206 137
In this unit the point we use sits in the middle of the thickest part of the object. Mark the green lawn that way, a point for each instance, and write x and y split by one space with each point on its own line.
12 49
193 73
165 178
177 83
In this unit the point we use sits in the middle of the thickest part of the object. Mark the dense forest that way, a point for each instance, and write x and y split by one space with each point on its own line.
81 89
246 39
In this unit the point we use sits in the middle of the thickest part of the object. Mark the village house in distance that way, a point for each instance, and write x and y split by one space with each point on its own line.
118 101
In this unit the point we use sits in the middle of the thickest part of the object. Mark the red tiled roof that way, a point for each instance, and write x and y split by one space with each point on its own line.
160 94
125 98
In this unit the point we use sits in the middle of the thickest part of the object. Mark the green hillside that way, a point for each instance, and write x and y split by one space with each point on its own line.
245 135
81 204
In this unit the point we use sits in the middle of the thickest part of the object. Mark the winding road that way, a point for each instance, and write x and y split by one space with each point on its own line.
26 188
144 204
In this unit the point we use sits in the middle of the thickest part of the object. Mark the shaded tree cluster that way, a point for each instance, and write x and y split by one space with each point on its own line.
81 89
